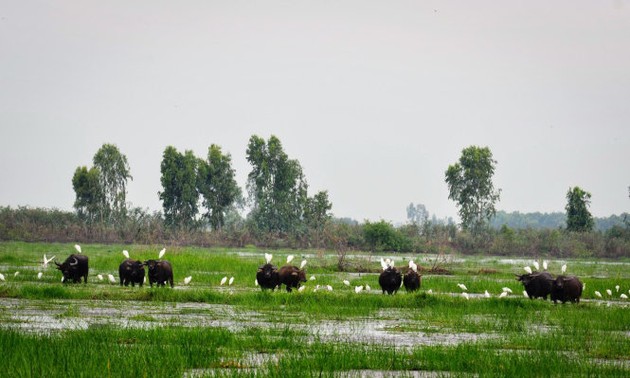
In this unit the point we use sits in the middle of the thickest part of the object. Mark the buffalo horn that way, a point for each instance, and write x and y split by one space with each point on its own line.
294 274
76 261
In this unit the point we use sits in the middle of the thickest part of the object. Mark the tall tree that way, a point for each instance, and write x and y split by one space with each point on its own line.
114 173
87 188
578 217
179 183
276 185
216 184
316 210
470 186
417 214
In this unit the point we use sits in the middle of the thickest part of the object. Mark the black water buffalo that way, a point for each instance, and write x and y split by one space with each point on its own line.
390 280
160 272
75 267
268 277
537 284
412 280
131 271
291 276
566 289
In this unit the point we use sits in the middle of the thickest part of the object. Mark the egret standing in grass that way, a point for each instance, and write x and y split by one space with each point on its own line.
598 294
187 280
358 289
16 274
77 247
100 277
623 296
564 268
462 286
609 292
346 282
465 295
507 290
125 253
39 275
223 280
301 288
503 294
111 278
231 281
162 252
486 294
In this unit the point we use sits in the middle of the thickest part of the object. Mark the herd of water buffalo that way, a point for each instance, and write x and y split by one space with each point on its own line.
268 276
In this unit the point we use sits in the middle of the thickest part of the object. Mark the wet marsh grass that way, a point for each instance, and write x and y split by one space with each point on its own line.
521 337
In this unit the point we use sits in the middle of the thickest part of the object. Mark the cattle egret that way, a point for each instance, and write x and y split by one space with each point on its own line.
528 269
462 286
268 258
111 278
125 253
346 282
290 258
358 289
583 286
63 279
486 294
223 280
536 266
413 266
564 268
598 294
507 290
162 252
544 264
100 277
329 288
231 281
383 264
312 278
430 291
465 295
77 247
301 288
1 277
303 264
503 294
46 261
256 282
187 280
608 291
623 296
367 288
16 274
617 288
525 294
39 275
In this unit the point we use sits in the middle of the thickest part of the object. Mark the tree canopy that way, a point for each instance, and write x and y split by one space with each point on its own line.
578 217
470 186
179 193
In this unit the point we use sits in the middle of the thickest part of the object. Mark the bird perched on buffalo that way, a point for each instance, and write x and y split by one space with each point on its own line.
390 278
412 280
292 276
267 275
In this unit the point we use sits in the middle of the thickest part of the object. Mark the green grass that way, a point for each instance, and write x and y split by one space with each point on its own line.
515 336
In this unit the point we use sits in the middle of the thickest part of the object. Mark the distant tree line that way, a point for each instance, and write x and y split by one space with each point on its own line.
202 205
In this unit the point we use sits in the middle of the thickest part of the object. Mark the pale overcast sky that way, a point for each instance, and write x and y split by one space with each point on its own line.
374 98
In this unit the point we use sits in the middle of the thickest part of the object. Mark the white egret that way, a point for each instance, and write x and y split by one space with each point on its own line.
608 291
268 258
312 278
346 282
536 266
329 288
430 291
111 278
256 282
584 286
413 266
383 264
507 290
598 294
187 280
525 294
367 287
465 295
564 268
486 294
290 258
46 261
162 252
125 253
528 269
16 274
503 294
77 247
39 275
1 277
462 286
231 281
617 288
100 277
302 264
223 280
301 288
358 289
623 296
544 264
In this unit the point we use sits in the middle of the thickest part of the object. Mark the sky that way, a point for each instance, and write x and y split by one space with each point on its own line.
375 99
